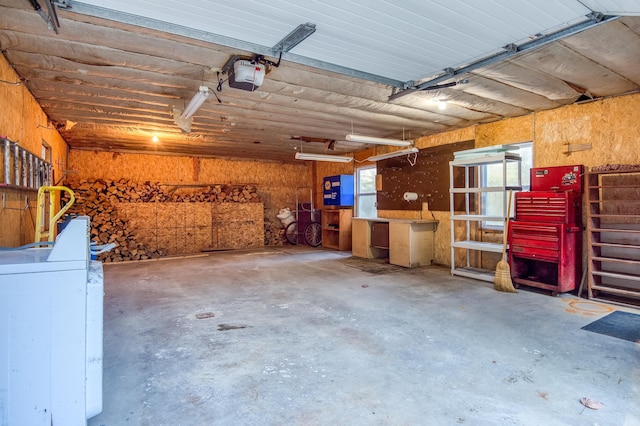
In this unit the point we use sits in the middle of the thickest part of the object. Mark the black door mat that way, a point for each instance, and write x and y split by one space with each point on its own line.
623 325
372 266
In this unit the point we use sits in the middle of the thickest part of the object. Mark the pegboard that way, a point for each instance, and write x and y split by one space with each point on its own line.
429 178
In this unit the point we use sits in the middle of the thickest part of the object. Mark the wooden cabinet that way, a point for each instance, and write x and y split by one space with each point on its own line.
613 230
363 239
477 191
336 228
410 242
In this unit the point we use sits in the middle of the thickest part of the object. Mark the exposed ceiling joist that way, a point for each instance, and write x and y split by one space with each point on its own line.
119 82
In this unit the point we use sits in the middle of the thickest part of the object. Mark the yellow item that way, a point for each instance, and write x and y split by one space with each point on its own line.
54 197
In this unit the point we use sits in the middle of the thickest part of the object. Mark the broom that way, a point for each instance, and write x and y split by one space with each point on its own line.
502 279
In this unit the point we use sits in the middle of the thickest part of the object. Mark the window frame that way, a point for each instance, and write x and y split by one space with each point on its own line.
524 177
358 194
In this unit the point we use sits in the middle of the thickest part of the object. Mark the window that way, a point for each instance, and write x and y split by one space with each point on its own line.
366 192
491 175
46 173
46 151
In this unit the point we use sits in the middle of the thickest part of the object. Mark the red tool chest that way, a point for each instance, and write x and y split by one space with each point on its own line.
551 207
545 238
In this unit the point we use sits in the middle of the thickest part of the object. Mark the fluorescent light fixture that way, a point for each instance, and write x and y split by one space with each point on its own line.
323 157
196 102
378 141
295 37
393 154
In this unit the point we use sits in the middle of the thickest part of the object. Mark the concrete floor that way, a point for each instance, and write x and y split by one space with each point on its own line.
294 336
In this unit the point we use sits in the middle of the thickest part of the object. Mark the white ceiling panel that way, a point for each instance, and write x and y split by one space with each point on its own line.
614 7
401 40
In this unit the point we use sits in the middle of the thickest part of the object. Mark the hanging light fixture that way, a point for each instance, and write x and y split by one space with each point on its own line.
323 157
378 141
196 102
393 154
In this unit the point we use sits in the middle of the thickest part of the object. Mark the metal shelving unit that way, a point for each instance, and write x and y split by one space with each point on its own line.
471 162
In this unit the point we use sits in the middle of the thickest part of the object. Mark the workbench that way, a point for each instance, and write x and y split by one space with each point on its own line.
406 242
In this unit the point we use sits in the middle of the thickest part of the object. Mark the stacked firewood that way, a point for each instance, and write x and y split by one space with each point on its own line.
98 199
273 233
128 191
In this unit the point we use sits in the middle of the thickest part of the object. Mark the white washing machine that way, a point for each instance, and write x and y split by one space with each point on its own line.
51 310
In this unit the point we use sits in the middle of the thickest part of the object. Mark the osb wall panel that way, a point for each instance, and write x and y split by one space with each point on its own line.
442 242
611 126
514 130
489 260
23 121
238 225
17 217
180 228
278 183
137 167
468 133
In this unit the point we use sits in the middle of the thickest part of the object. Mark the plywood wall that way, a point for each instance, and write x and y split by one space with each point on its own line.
179 228
23 121
277 183
502 132
610 126
17 217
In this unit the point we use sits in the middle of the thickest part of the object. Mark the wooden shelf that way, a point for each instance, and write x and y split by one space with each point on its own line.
613 238
627 246
616 260
631 277
615 230
336 228
609 215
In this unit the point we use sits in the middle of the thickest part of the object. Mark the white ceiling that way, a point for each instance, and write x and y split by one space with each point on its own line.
400 40
112 75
